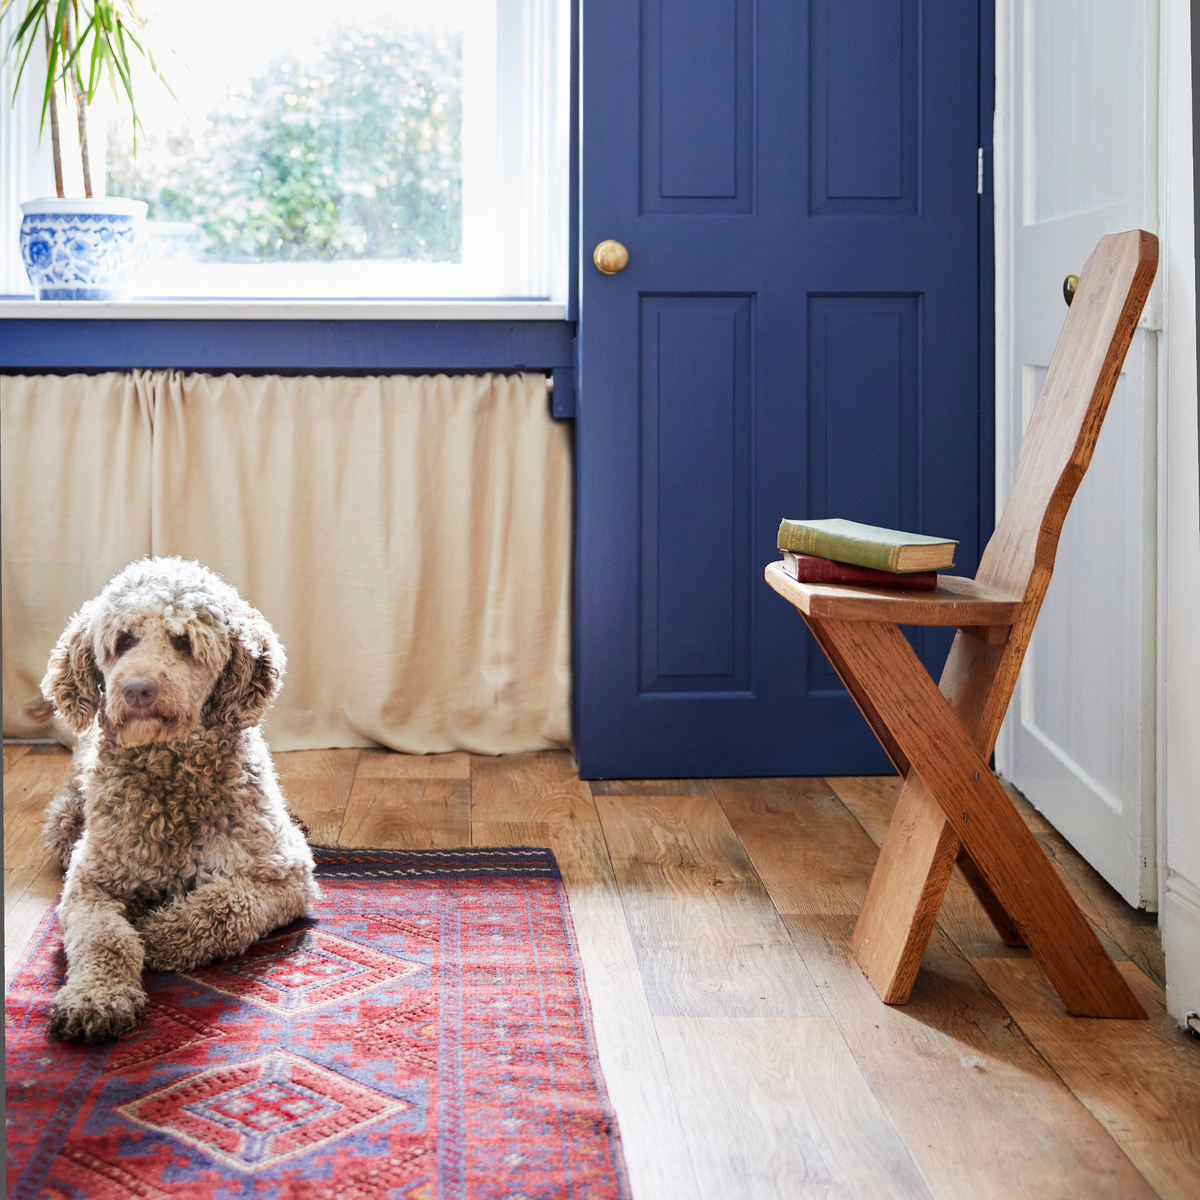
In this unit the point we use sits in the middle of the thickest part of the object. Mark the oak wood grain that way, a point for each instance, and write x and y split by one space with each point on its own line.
811 855
316 784
650 787
909 884
1057 449
981 1112
12 754
1015 867
28 788
407 813
989 635
955 601
1140 1079
539 800
1124 932
537 788
1004 925
978 1109
708 939
1135 931
31 879
872 800
906 892
387 764
778 1107
914 868
860 697
29 894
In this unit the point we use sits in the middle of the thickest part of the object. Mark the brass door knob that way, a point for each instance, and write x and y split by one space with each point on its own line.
1069 285
610 257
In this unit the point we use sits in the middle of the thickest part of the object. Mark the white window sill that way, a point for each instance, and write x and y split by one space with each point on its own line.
285 310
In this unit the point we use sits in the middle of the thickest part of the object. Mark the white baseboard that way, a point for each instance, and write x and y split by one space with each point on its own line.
1180 922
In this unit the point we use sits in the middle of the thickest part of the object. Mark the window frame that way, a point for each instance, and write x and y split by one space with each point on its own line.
333 337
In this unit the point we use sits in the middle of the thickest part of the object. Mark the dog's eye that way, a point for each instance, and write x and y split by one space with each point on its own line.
181 643
125 641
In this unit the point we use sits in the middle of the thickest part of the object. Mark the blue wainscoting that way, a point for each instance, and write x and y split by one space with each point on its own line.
29 344
331 347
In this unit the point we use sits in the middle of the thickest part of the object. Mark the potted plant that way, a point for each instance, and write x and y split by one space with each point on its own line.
79 248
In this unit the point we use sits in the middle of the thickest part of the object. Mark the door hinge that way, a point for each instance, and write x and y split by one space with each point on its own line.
979 174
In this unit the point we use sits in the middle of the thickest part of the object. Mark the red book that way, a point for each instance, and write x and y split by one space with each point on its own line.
807 568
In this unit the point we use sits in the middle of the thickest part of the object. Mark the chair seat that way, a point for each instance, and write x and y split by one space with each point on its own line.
955 601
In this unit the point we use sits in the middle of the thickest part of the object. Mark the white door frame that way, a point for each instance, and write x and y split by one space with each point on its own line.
1178 527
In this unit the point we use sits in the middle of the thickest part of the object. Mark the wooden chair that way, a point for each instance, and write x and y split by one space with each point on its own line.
951 806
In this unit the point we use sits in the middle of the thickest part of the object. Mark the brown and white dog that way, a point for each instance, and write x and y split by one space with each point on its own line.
177 842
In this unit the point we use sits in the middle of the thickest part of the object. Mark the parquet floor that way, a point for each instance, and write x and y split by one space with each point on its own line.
744 1051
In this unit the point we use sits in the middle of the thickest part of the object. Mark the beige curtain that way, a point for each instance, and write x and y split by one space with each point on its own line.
75 469
408 537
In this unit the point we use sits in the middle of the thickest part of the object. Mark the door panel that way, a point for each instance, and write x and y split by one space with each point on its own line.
796 334
865 121
1079 738
697 132
695 478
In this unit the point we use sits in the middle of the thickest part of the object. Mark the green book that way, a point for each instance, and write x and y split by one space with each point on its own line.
867 545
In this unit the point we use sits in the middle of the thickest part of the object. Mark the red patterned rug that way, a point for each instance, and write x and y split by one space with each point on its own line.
424 1035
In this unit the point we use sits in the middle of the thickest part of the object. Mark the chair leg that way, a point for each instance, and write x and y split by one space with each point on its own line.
1006 927
1008 856
970 683
905 893
910 878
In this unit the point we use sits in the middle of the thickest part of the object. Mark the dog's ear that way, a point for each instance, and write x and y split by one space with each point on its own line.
73 681
252 676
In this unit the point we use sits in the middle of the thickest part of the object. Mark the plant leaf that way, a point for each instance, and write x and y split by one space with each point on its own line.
104 29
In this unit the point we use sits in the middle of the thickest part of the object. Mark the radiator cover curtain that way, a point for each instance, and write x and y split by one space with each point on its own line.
408 537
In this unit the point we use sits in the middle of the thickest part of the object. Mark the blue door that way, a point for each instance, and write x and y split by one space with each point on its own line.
796 333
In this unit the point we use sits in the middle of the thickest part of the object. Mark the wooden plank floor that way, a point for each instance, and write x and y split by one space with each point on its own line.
744 1051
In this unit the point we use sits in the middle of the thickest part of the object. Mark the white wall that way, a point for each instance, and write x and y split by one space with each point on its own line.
1179 531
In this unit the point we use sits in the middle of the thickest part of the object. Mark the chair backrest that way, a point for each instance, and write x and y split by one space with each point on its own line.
1055 452
1058 444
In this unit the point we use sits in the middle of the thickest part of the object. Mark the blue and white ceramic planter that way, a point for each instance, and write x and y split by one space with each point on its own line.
81 249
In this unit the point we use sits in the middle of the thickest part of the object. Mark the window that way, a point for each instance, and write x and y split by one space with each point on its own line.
372 149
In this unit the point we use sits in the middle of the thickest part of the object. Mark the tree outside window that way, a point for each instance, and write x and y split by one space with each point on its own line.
352 152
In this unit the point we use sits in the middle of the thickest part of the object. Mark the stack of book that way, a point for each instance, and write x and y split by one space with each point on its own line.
837 551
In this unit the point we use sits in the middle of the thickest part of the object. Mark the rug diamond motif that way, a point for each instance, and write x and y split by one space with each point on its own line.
267 1107
260 1113
297 969
297 972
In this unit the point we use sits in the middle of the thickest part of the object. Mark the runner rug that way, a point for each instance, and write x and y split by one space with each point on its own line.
423 1035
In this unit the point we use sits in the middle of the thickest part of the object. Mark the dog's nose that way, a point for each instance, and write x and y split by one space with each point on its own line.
140 693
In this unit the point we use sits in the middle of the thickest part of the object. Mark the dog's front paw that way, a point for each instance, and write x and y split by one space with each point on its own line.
168 946
95 1014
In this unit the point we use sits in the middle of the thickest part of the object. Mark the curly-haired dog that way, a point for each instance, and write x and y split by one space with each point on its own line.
178 846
